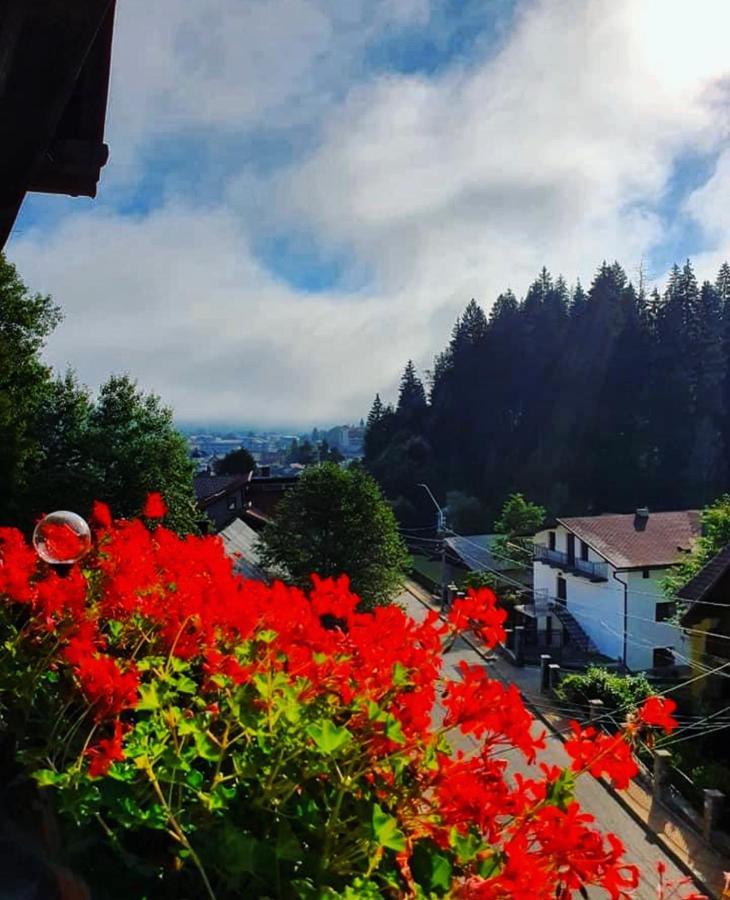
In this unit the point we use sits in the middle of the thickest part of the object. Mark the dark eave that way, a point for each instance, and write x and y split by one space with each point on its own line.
54 80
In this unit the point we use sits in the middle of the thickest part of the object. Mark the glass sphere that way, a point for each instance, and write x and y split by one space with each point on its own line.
62 537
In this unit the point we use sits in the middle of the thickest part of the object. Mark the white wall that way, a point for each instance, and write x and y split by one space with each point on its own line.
598 607
645 636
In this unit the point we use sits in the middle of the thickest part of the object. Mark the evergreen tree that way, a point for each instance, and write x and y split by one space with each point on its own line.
587 401
376 412
411 396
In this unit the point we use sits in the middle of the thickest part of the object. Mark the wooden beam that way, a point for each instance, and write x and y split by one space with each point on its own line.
43 47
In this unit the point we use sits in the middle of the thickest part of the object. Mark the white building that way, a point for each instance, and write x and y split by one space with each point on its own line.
606 571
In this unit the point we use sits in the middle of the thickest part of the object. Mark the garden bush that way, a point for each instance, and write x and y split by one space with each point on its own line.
206 736
619 693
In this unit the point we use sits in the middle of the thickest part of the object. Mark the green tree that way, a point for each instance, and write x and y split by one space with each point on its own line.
26 320
135 448
376 412
465 513
520 519
334 522
715 536
237 462
63 474
411 397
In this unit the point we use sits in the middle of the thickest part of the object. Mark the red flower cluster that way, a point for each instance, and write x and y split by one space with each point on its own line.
479 612
657 712
154 507
106 752
150 593
601 754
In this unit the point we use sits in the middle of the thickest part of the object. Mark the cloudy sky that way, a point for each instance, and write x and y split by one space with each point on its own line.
302 194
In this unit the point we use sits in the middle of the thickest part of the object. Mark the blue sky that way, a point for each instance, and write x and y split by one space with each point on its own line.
303 194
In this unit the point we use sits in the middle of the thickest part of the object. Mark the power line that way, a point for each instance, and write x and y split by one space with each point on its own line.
628 615
635 591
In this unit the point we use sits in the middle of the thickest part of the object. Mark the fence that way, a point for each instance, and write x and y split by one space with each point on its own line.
706 810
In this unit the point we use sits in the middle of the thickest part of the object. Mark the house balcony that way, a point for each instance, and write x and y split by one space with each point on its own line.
595 571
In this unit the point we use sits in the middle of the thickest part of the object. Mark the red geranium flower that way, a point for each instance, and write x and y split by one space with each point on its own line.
107 751
657 711
101 515
154 507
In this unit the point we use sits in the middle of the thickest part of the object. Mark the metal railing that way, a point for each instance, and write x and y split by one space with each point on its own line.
596 571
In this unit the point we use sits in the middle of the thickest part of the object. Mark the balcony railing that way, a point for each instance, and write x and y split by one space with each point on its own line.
596 571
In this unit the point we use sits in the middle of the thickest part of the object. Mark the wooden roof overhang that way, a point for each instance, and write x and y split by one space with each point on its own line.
55 57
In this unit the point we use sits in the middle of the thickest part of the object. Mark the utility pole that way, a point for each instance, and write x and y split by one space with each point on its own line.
441 531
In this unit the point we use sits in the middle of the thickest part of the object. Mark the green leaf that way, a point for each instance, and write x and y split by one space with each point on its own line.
186 685
431 869
47 777
327 736
386 831
400 675
560 792
490 866
466 845
205 747
194 778
148 698
375 713
288 846
115 627
394 730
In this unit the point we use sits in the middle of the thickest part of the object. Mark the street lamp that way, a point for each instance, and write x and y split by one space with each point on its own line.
440 529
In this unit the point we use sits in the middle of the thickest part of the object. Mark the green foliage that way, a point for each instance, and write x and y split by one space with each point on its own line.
237 462
60 448
618 692
715 536
117 448
303 453
336 521
519 517
26 320
574 397
465 513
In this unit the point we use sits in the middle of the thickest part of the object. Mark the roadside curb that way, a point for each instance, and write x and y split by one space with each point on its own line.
655 838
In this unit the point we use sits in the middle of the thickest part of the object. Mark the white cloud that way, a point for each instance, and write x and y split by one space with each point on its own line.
554 151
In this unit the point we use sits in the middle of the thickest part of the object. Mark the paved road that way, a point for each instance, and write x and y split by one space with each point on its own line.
592 796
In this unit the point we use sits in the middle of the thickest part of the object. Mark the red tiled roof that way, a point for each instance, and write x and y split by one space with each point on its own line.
629 541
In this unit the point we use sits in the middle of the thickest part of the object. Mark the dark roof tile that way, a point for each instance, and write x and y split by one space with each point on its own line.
630 541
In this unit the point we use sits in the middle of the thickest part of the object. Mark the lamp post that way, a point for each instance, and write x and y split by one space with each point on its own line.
440 529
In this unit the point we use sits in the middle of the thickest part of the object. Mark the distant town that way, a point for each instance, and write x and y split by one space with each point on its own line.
278 453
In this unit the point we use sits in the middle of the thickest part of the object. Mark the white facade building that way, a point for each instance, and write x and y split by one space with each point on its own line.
606 571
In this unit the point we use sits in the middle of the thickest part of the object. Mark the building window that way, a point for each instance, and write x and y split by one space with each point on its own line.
232 502
584 551
551 540
646 573
562 590
663 657
664 611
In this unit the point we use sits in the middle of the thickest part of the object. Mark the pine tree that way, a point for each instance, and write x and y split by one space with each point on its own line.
411 396
376 412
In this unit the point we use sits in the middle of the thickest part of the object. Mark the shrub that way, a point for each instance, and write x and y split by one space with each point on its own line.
618 692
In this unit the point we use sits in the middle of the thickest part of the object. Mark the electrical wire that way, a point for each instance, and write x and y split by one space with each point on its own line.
629 615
